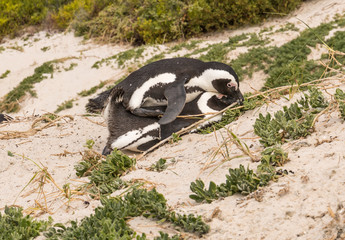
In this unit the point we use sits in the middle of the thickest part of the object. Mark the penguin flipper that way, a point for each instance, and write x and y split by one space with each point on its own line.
176 95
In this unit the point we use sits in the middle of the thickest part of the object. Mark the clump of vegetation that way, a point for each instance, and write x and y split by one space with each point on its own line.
92 90
121 58
44 49
216 52
241 180
287 64
340 98
4 75
65 105
175 138
71 67
149 21
11 101
185 45
292 122
274 156
13 225
337 44
17 14
159 166
105 174
288 27
109 220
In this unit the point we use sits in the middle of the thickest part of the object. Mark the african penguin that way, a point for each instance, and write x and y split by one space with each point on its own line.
135 133
4 118
172 83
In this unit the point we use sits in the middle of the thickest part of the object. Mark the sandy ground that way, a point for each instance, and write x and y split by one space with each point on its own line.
298 206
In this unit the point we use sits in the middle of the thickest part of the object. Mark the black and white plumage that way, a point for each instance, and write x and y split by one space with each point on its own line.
173 83
135 133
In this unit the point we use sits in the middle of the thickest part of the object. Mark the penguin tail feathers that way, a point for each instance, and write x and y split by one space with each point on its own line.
116 95
97 104
5 118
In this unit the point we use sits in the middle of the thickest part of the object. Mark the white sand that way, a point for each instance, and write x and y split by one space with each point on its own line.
296 207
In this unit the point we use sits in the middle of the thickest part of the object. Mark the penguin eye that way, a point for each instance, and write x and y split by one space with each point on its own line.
229 85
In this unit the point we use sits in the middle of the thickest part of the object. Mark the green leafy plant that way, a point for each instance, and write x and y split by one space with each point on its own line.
159 166
288 27
340 98
121 58
105 174
201 194
109 220
274 156
287 64
92 90
10 103
4 75
175 138
44 49
71 67
65 105
166 20
185 45
14 225
242 180
292 122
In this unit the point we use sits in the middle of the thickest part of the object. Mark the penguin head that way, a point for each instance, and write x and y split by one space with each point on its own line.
224 79
228 86
229 99
225 86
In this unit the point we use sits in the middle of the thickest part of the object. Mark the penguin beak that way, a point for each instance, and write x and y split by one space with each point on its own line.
106 151
240 98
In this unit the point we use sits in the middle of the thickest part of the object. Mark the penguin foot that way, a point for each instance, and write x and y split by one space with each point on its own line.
141 112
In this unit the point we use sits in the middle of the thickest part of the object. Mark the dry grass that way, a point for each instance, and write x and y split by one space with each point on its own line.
49 195
36 127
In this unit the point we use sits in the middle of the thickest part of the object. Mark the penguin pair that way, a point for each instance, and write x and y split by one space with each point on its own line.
173 83
135 133
166 88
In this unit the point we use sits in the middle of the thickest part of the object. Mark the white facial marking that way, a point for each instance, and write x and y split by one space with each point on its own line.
204 108
138 95
204 81
202 103
135 145
132 136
